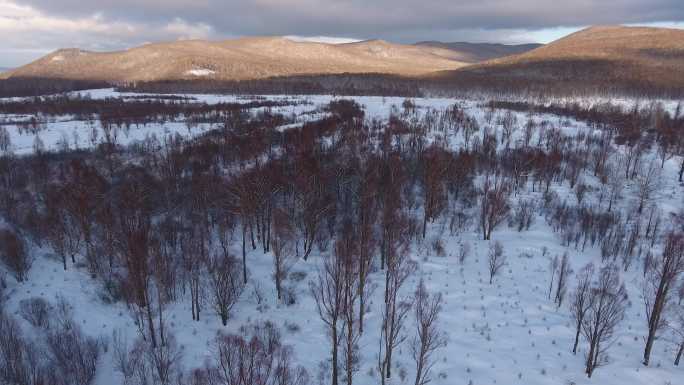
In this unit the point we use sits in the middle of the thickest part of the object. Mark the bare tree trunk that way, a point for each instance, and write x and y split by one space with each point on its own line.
251 235
150 323
362 305
425 220
679 353
334 352
577 335
349 364
590 359
244 254
161 320
649 343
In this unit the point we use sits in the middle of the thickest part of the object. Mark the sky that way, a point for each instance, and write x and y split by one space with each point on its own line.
33 28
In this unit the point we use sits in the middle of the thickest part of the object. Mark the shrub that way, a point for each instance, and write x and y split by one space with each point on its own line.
438 247
36 311
73 356
260 343
20 360
13 254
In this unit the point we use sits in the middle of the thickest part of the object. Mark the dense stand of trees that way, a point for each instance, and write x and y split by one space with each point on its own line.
22 86
155 223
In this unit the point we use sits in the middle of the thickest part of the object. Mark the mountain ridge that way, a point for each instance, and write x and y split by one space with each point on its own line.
599 58
238 59
478 52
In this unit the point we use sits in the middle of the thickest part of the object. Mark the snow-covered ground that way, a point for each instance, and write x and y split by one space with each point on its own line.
505 333
86 134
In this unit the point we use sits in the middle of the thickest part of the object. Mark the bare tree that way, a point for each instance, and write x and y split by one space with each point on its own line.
13 253
256 357
73 356
530 127
226 285
581 300
428 337
463 251
616 182
195 264
678 329
367 239
509 124
164 361
648 183
80 197
282 240
242 204
553 266
313 201
435 168
494 205
659 284
608 298
399 268
145 364
20 360
134 243
564 271
346 248
62 232
5 140
496 260
328 292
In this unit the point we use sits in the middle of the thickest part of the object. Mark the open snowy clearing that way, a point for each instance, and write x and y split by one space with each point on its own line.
61 131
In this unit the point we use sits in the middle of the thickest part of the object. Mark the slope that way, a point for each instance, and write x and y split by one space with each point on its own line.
239 59
604 57
478 52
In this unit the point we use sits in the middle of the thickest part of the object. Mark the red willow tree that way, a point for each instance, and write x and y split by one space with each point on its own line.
659 285
435 169
135 197
313 201
367 237
494 204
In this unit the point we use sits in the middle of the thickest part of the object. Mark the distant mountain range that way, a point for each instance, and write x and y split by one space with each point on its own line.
598 56
258 58
239 59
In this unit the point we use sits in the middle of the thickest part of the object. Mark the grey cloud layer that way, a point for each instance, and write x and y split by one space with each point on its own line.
360 18
31 28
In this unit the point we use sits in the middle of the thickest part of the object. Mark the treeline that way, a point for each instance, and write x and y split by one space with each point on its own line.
137 109
549 78
343 84
21 87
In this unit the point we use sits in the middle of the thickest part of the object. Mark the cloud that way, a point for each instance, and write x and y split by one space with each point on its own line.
29 33
110 24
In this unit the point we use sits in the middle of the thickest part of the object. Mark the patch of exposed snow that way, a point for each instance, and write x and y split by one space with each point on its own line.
200 72
321 39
